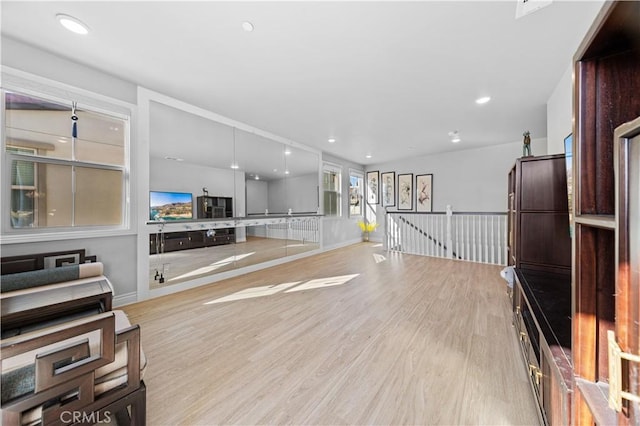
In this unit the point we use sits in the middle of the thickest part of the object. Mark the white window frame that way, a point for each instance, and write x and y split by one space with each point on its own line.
335 168
12 187
32 85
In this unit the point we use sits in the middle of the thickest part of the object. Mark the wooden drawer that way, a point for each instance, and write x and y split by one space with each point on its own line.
547 363
173 244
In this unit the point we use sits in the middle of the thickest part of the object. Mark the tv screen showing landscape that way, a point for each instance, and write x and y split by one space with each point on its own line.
170 205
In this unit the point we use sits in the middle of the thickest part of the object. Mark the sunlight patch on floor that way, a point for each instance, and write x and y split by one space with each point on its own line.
378 258
209 268
253 292
268 290
323 282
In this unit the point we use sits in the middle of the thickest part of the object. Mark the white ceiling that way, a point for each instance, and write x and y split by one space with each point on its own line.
198 140
386 78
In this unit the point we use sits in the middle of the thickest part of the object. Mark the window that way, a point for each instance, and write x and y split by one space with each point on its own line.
331 178
356 192
65 172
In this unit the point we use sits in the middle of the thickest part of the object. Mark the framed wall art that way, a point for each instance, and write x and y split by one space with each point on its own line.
405 191
373 186
388 187
424 193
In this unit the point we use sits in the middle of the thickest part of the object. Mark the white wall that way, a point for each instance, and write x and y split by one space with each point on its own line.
32 60
560 103
277 202
560 113
300 194
167 175
343 230
240 203
257 196
473 180
118 253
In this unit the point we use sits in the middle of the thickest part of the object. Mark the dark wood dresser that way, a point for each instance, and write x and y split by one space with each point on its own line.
540 250
606 283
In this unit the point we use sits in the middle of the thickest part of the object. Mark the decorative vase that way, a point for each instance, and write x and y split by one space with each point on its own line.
365 236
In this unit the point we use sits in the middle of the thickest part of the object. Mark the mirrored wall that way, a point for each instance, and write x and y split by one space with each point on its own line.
224 196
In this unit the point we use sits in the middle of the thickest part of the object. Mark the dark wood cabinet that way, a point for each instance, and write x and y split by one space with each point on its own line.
539 246
627 306
542 320
214 207
206 208
174 241
539 236
605 289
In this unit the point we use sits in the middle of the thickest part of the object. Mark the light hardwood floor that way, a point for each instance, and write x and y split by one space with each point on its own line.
185 265
362 337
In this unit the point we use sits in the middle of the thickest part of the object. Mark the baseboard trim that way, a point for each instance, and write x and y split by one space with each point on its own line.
125 299
342 244
211 279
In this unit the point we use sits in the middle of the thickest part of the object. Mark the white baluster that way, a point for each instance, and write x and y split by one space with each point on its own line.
462 236
493 245
465 237
485 238
449 237
403 232
438 237
501 236
457 222
443 235
434 235
475 239
410 232
390 233
429 242
420 219
414 234
396 239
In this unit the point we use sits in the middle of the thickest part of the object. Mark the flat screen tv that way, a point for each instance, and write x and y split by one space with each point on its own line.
568 153
170 205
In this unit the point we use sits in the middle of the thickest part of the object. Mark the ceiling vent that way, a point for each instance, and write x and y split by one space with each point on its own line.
525 7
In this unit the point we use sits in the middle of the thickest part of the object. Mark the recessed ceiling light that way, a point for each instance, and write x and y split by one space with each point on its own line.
287 152
247 26
235 166
483 100
62 140
368 156
331 140
72 24
455 136
286 172
257 177
174 158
